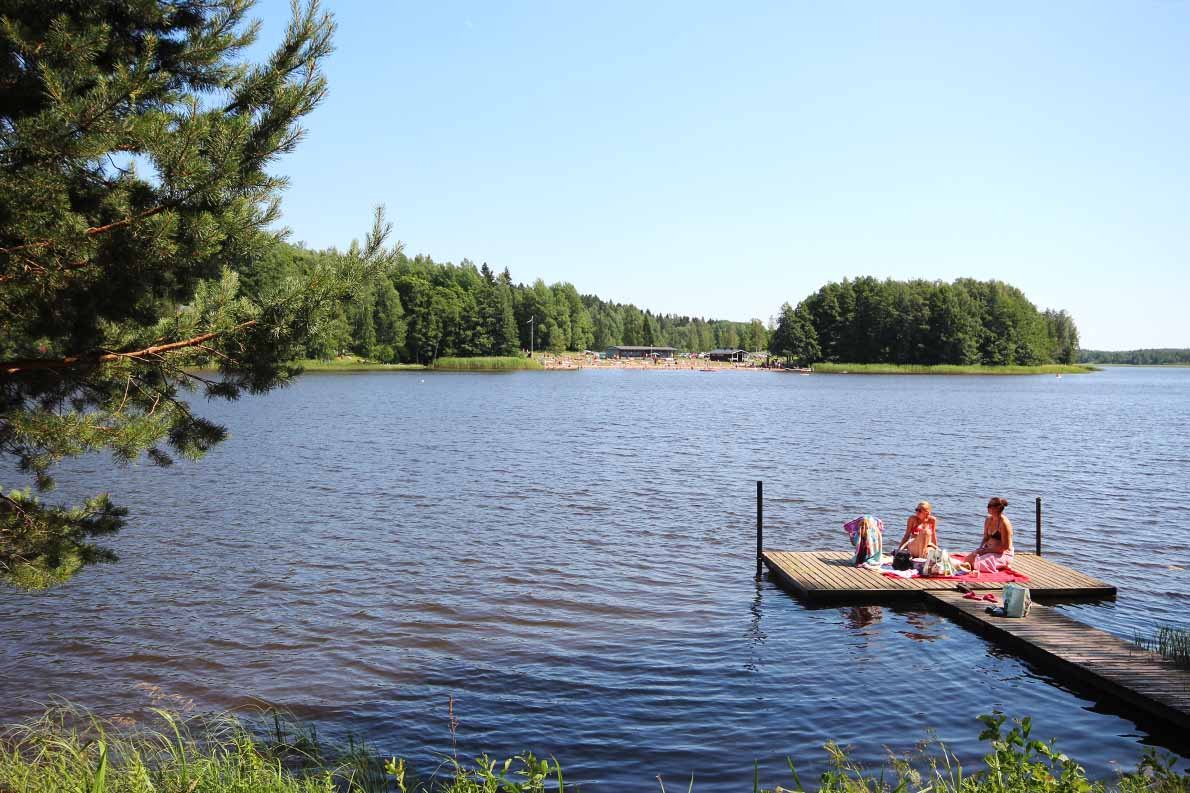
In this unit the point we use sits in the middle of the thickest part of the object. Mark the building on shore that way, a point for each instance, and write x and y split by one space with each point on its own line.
734 356
640 352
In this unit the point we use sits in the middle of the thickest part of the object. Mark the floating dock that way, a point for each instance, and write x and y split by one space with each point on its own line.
1084 654
1079 652
831 576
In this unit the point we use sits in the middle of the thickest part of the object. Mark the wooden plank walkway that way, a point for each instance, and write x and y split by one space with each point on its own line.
1139 677
830 576
1083 654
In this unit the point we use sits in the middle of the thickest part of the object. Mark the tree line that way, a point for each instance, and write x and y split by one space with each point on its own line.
1155 357
421 310
966 322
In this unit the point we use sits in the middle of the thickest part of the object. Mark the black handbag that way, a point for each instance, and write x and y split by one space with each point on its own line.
902 559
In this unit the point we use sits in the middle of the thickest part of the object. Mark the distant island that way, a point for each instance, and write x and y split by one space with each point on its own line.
918 323
1165 356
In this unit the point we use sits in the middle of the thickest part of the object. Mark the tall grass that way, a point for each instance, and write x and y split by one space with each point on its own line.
893 368
353 364
490 364
68 751
1171 643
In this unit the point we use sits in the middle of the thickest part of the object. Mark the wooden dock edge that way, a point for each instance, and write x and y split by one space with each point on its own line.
1108 678
812 587
810 594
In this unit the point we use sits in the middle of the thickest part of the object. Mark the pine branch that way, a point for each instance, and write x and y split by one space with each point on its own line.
20 366
91 232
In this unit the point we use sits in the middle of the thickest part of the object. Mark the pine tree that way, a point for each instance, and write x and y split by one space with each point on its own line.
389 321
648 331
135 149
507 341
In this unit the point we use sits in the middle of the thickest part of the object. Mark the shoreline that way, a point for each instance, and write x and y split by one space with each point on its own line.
555 363
950 369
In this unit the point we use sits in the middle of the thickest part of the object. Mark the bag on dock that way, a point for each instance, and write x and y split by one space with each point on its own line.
1016 600
902 559
938 563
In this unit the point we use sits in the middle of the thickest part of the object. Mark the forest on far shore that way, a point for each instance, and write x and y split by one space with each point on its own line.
1156 357
422 310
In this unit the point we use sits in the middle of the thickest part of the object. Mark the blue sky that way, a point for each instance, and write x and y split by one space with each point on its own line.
720 159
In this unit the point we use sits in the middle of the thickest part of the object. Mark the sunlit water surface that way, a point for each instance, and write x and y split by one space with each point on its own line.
570 557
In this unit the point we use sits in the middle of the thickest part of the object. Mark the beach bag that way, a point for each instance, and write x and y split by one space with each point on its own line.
902 559
946 563
1016 600
938 563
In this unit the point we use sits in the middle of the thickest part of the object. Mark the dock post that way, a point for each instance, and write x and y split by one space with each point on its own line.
759 525
1039 525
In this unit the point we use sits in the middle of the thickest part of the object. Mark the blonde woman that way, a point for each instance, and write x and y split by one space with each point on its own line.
921 533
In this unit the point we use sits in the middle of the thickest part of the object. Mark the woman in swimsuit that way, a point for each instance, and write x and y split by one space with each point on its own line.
921 533
995 552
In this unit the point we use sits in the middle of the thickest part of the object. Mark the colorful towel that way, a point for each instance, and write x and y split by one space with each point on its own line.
866 533
1005 576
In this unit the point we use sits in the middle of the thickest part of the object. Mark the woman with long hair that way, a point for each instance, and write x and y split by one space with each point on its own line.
995 551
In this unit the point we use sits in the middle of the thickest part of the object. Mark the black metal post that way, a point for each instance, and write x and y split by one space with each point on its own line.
759 525
1039 525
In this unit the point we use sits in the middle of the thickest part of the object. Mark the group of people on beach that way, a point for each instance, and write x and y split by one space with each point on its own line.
995 550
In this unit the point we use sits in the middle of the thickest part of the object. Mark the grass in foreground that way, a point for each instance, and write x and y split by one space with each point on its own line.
488 364
893 368
67 751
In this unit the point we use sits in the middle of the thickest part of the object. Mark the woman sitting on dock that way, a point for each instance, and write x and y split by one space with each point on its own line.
922 532
995 552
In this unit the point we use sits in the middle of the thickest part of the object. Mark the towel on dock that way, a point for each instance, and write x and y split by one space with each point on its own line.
866 533
1005 576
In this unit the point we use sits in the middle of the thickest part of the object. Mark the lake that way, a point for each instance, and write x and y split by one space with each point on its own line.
569 557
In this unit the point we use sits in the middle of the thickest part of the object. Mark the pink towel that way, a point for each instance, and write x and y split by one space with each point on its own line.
991 562
1005 576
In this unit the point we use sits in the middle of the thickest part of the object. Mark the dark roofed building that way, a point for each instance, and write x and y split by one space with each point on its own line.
734 356
640 352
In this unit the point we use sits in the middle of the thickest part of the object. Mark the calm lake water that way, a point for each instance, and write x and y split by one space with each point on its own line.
570 557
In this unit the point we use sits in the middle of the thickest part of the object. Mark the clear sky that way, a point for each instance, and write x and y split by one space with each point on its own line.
719 159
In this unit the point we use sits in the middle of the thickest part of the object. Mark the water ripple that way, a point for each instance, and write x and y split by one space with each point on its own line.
569 560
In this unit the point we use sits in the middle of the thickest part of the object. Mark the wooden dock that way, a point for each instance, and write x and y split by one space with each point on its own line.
1081 653
831 576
